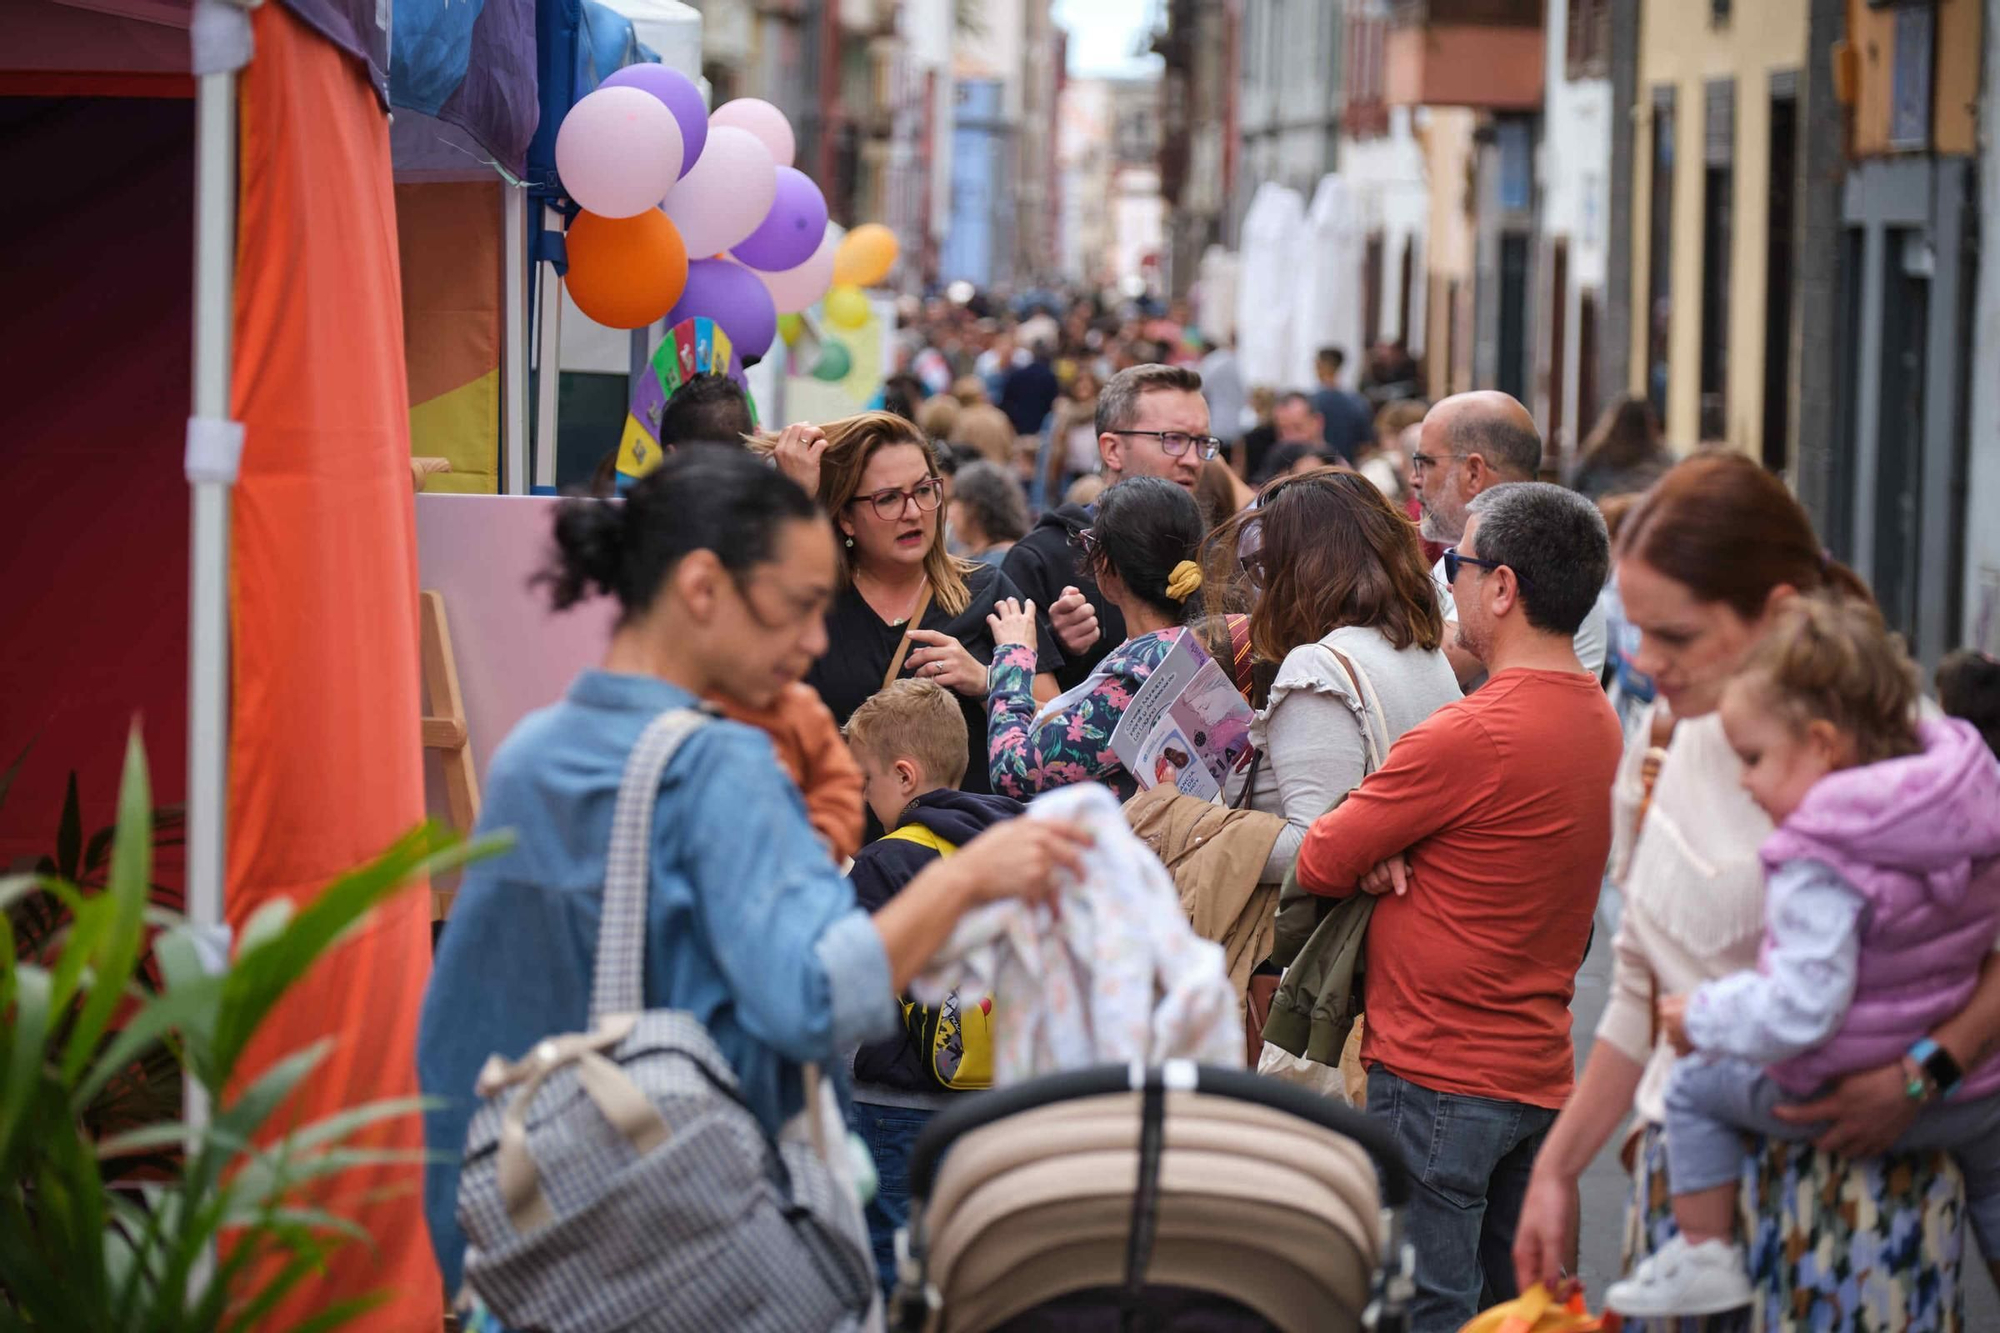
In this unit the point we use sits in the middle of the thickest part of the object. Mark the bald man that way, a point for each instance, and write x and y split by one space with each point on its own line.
1470 443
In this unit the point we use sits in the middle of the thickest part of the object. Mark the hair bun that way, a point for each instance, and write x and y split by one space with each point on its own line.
590 551
1185 581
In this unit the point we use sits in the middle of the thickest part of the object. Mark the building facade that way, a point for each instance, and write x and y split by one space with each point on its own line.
1289 95
1574 170
1382 162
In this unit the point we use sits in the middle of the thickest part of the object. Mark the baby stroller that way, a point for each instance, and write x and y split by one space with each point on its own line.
1169 1199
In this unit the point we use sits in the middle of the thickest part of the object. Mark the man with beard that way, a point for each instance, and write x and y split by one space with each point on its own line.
1470 443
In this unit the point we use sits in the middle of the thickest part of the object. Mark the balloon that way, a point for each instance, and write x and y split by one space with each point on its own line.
790 327
795 289
625 273
847 307
834 361
763 120
727 194
792 230
618 152
730 295
680 96
865 256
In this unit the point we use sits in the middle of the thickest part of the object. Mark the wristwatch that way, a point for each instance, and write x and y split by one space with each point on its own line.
1937 1065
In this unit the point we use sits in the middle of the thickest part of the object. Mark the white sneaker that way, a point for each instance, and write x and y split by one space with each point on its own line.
1684 1279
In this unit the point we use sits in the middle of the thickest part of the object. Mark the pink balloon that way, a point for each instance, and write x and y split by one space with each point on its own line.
727 194
618 152
795 289
763 120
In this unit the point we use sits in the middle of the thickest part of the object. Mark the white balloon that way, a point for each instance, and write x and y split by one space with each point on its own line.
763 120
795 289
619 152
727 193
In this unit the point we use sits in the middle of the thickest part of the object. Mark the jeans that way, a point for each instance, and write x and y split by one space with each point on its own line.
1713 1101
1469 1160
891 1135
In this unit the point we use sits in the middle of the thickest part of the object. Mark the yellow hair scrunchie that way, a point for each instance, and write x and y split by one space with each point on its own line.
1185 581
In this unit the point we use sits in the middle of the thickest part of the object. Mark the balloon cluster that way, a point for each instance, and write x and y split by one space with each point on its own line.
659 179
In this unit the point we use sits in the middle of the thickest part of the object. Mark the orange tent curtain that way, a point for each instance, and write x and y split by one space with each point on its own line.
325 755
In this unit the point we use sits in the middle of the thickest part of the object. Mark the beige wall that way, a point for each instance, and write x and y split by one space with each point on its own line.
1871 34
1451 245
1677 46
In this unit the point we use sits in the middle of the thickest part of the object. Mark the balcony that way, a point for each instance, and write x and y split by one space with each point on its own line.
1485 54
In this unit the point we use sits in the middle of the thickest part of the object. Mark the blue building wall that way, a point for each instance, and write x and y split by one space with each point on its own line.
979 238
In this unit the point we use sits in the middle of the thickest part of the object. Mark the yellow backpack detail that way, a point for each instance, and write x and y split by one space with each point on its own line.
955 1039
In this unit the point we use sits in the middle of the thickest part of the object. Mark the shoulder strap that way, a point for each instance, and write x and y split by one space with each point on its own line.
923 837
1374 726
617 981
916 621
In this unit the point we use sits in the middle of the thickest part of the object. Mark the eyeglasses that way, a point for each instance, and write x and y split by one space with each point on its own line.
1174 443
1086 538
1423 462
1453 560
891 505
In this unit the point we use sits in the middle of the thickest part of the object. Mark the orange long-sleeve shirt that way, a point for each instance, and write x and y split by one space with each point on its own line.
1502 801
813 751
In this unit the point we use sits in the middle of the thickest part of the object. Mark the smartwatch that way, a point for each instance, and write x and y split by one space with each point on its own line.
1938 1066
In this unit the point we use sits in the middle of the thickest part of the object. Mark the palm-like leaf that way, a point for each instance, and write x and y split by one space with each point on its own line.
110 1207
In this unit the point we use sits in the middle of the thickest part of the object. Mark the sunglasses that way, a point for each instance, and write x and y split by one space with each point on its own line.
1453 561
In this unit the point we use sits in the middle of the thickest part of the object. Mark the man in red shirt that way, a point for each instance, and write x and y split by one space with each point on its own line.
1486 831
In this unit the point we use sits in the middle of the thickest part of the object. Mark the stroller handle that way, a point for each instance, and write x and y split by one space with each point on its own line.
982 1109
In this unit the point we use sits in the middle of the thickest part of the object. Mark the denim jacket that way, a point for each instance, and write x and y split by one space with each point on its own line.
749 926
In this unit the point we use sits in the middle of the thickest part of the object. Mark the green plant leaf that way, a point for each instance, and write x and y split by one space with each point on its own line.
29 1032
185 1006
131 870
341 1125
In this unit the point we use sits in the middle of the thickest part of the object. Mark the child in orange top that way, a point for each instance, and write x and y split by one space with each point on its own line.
810 747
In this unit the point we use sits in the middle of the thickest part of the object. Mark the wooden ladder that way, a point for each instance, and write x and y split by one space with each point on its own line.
444 728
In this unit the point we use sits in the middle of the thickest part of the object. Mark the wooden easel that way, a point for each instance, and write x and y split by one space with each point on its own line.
444 727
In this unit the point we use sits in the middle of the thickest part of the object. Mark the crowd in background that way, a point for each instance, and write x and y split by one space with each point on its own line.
1453 666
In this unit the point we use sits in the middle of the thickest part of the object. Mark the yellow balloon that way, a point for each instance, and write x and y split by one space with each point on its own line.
789 328
864 256
846 308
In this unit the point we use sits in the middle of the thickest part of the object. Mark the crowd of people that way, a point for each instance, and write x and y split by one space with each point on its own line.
1468 699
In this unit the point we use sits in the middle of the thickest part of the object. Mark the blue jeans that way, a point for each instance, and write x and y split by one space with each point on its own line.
891 1135
1469 1159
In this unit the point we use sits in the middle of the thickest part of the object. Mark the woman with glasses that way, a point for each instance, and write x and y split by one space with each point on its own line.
903 598
1141 547
1341 590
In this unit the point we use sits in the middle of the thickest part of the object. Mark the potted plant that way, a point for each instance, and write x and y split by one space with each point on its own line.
172 1226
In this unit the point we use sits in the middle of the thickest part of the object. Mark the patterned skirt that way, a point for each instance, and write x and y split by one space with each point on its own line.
1835 1247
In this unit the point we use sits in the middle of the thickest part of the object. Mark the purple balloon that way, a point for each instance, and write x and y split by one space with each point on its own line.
682 98
733 297
792 230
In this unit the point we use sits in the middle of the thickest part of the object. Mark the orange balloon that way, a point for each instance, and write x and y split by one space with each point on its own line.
864 256
626 273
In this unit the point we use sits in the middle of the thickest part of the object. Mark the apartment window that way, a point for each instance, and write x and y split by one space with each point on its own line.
1717 235
1558 382
1779 243
1660 253
1589 38
1372 264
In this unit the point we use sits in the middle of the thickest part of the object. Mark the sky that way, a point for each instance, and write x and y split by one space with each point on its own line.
1102 34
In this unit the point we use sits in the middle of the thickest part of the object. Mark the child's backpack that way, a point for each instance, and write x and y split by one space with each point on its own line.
954 1039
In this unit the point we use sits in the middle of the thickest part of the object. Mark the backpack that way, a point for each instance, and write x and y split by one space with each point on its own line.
953 1040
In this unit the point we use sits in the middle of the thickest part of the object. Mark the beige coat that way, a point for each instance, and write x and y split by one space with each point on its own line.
1216 856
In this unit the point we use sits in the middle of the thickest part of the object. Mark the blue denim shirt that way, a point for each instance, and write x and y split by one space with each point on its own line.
749 926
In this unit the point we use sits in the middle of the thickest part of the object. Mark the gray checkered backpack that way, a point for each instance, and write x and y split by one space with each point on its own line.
615 1180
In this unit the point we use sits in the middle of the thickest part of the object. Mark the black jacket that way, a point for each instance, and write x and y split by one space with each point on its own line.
1046 561
880 871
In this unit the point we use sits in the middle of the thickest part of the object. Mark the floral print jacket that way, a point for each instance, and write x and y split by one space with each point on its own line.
1073 745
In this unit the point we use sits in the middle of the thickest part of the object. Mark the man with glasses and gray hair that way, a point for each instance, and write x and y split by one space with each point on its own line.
1485 834
1151 422
1469 443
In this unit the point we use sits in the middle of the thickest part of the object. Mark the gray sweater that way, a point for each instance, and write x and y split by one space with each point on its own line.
1310 729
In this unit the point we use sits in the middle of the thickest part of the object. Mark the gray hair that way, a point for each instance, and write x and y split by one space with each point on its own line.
1506 446
994 499
1118 401
1555 542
